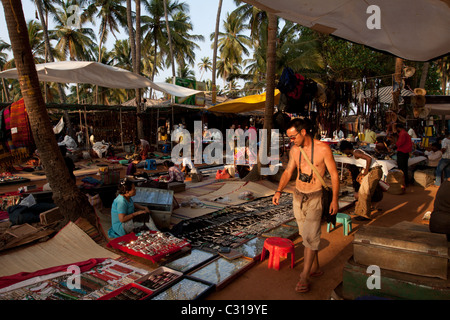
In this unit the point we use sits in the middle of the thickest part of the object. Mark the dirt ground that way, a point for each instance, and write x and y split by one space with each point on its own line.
262 283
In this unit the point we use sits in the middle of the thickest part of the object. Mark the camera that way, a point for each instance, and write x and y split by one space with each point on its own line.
305 177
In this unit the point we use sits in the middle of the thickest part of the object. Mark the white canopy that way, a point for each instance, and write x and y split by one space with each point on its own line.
415 30
98 74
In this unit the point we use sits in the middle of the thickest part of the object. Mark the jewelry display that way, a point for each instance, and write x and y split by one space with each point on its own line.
235 225
152 245
186 289
104 278
190 261
221 270
159 278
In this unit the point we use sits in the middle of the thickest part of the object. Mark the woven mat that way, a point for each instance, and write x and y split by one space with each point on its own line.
70 245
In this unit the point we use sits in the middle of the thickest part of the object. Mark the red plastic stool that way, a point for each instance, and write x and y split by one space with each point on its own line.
278 247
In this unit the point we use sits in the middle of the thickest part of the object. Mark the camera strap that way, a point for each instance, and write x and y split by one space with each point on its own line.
300 157
314 169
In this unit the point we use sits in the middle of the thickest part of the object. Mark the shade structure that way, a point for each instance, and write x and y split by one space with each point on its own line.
244 104
96 73
415 30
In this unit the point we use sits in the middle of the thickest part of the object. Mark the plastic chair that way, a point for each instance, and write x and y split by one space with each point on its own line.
278 248
150 164
346 221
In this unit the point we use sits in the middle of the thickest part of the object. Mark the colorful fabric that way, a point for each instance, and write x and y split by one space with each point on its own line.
7 281
20 131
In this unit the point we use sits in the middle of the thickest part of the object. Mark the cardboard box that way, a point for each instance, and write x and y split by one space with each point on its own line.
409 251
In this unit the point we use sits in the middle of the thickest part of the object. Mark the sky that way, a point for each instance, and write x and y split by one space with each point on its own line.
203 18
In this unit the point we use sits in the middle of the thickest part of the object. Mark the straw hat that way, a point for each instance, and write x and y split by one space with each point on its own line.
421 112
408 71
420 92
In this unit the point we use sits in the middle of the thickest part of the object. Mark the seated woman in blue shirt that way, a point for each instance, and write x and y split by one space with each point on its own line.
124 211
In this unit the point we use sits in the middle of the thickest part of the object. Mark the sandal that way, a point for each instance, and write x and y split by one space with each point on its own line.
302 287
316 274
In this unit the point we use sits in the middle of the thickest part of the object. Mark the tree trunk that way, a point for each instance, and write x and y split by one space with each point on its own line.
423 77
66 195
131 34
5 88
139 108
216 36
398 80
255 173
170 41
62 95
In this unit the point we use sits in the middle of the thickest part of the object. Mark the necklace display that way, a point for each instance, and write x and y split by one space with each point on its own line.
235 225
154 243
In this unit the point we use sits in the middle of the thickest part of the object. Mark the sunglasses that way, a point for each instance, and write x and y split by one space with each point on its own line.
294 136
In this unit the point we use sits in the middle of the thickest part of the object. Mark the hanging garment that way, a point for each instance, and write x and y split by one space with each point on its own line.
20 131
288 81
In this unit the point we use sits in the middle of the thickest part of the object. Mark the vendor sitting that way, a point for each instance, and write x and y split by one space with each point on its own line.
434 155
132 168
175 173
381 148
187 167
142 147
127 216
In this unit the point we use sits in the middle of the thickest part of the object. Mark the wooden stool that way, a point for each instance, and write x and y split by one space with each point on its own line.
278 247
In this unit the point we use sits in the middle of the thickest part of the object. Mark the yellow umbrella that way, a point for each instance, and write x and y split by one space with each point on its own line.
244 104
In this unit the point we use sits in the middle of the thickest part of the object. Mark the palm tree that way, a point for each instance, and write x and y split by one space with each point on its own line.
111 14
204 65
184 42
122 55
66 195
255 174
45 5
215 46
185 73
155 31
232 43
74 43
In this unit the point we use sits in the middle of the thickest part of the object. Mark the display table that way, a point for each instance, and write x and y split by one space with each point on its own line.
386 165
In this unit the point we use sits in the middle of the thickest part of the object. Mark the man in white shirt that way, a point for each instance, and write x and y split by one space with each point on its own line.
443 167
434 155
